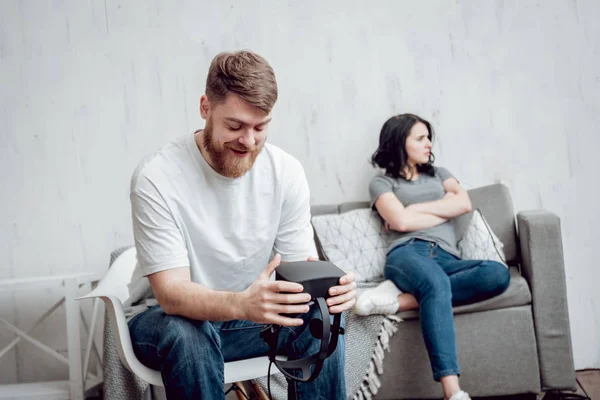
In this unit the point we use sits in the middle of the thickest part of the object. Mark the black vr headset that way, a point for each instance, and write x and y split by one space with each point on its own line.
316 277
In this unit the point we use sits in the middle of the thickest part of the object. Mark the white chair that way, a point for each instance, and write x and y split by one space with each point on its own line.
112 289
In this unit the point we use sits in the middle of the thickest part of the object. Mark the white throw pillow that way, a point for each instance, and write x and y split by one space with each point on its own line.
480 242
356 241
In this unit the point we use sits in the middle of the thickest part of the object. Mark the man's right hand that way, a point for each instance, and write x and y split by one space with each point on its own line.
263 301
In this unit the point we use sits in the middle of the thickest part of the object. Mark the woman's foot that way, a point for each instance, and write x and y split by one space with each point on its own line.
451 388
460 395
382 299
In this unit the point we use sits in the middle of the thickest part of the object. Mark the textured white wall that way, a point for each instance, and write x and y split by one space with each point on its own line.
89 87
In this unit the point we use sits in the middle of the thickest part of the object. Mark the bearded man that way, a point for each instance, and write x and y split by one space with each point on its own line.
209 211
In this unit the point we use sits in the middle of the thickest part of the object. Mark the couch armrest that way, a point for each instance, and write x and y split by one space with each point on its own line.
542 266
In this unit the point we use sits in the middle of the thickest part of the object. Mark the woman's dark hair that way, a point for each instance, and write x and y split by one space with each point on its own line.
391 153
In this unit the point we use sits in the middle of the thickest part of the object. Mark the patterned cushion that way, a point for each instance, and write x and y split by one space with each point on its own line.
480 242
356 241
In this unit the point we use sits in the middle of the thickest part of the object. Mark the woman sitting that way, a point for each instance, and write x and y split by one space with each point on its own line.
417 202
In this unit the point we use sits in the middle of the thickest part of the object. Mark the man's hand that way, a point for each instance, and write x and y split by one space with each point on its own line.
263 301
343 296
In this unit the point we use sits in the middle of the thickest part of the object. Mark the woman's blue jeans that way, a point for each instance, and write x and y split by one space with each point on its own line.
190 354
439 280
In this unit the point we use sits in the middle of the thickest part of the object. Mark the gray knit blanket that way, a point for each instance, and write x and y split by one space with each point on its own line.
364 364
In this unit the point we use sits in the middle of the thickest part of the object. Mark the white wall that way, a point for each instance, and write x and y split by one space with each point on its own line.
89 87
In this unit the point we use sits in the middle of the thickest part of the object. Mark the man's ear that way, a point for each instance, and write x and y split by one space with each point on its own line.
204 107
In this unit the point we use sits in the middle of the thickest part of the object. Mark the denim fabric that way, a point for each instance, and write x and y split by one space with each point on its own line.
439 280
190 354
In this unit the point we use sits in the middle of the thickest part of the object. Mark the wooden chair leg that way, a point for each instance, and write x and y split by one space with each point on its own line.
240 391
261 395
248 390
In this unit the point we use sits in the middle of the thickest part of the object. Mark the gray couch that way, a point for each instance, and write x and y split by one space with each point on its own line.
516 343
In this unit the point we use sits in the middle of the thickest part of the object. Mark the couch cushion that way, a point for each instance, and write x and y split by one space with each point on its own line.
495 203
496 352
517 294
480 242
356 241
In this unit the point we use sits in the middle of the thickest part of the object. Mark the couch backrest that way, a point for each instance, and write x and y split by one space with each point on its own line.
495 204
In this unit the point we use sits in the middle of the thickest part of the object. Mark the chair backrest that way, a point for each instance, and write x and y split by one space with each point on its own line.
114 286
117 277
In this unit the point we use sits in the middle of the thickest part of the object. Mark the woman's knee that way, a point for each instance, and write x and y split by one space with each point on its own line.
432 283
498 276
437 284
416 275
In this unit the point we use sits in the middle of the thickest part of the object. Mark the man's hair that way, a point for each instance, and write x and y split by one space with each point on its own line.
244 73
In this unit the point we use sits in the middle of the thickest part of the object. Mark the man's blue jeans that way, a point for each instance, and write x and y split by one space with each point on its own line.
439 280
190 354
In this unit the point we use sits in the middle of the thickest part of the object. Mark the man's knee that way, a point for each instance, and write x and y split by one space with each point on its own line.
188 336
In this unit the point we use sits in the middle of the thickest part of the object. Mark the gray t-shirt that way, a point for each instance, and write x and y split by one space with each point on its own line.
424 189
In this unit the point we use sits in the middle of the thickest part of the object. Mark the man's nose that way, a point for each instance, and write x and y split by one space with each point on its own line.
248 138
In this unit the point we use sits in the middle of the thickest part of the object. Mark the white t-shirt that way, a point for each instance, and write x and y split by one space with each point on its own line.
226 230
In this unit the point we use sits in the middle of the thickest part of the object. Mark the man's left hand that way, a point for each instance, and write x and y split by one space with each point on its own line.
343 296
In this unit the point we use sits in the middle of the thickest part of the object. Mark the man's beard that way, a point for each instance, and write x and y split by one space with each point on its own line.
223 161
